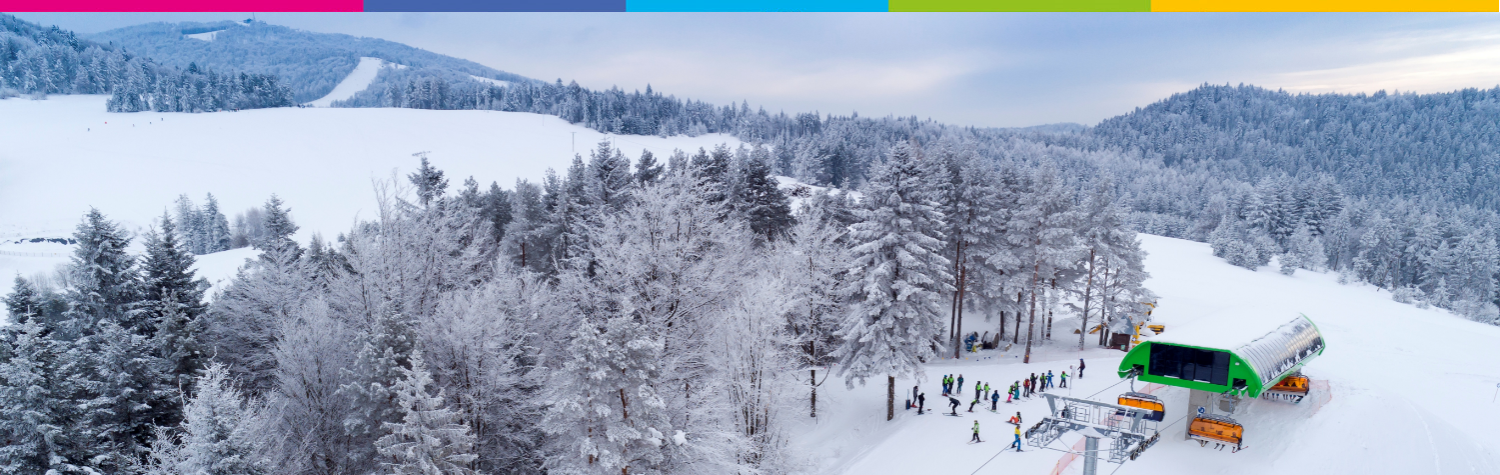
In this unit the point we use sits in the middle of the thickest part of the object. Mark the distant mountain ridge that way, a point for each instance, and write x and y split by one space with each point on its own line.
310 63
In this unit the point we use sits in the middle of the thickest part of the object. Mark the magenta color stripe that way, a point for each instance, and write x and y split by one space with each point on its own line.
182 5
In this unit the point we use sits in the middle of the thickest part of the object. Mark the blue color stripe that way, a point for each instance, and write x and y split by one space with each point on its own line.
494 5
757 5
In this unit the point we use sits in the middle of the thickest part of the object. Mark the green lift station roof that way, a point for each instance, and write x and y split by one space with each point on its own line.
1234 357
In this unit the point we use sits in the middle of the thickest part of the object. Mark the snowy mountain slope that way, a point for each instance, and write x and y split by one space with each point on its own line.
65 154
1407 389
356 81
205 36
311 63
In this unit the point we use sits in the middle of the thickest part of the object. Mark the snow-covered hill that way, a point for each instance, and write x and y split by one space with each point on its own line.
64 154
356 81
1406 390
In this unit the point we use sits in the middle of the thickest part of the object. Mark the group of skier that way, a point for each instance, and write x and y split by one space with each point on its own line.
1024 388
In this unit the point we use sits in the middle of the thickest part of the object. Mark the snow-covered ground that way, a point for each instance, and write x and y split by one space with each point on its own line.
358 80
493 82
1406 390
206 36
64 154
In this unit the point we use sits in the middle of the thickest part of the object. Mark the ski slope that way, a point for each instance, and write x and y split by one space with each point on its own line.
62 155
205 36
358 80
1408 390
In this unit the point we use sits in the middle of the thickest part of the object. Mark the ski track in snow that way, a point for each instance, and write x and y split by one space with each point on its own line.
358 80
1407 389
65 154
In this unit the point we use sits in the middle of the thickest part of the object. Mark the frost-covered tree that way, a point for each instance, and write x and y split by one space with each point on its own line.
899 277
814 263
277 222
104 283
761 201
173 301
606 412
1103 235
378 369
430 439
38 418
429 181
1043 232
215 226
216 436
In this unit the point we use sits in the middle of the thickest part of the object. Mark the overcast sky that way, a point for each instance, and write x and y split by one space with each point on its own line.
967 69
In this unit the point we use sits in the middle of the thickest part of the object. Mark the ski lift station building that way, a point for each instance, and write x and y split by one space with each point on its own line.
1242 353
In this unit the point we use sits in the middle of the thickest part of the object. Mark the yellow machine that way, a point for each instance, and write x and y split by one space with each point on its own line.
1292 389
1220 430
1147 402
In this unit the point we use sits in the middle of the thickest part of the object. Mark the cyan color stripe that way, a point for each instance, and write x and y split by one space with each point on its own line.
494 5
757 5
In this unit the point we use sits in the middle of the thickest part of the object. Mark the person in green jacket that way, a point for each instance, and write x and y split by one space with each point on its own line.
1063 381
976 432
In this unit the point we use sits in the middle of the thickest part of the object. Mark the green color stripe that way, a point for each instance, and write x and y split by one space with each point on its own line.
1020 5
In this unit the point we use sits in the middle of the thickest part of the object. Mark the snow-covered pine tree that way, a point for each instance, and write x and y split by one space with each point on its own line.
970 195
24 302
606 415
129 390
647 170
38 418
429 181
899 277
430 439
378 369
189 221
215 226
608 182
762 203
104 282
173 301
525 241
216 435
277 222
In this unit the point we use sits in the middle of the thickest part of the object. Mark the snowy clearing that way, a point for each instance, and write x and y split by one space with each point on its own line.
205 36
492 82
65 154
1409 390
358 80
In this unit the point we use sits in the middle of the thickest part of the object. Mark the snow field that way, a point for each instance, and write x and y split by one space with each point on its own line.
1408 389
65 154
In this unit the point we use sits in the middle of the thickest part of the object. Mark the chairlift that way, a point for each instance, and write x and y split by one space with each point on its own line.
1144 401
1221 430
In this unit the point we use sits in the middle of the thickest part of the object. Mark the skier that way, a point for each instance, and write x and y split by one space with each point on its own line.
1080 368
1026 388
960 388
972 403
977 390
976 432
1016 419
953 404
1017 443
995 401
1049 379
986 389
1063 381
1034 387
921 401
913 393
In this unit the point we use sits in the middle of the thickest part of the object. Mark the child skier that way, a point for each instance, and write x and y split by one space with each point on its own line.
995 401
960 388
1049 379
1017 443
953 404
1063 381
977 390
986 389
976 432
1080 368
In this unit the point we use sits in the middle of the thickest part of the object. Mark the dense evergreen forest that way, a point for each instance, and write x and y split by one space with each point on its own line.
39 61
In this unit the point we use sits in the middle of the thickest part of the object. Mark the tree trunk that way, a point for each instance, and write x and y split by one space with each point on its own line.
1015 337
890 397
1031 324
955 326
962 282
814 392
1088 288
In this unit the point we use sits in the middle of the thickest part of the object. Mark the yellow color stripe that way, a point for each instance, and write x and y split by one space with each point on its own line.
1325 5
